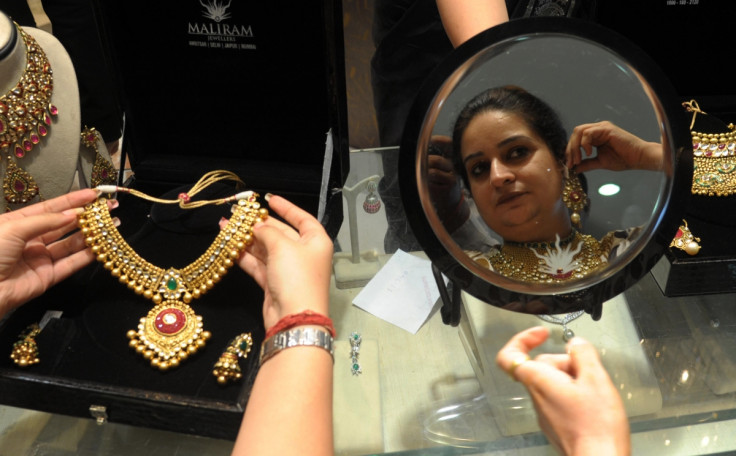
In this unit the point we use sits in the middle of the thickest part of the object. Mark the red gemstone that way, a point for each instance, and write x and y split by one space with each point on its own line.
53 110
2 126
575 196
19 152
35 139
679 234
105 174
43 131
91 138
170 321
27 145
19 186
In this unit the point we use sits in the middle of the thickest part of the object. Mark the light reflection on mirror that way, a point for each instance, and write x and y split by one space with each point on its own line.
584 83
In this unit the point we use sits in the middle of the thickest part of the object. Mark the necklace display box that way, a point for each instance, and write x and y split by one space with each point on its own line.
251 88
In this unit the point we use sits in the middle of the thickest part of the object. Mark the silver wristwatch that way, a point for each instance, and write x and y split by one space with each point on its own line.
295 338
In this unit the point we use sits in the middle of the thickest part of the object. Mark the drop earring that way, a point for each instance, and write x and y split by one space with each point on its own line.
575 199
372 204
103 172
19 187
685 240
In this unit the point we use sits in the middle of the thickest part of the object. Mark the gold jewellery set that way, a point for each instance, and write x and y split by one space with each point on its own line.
171 331
25 117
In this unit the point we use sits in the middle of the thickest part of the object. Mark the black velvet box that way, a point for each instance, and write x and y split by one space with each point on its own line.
248 87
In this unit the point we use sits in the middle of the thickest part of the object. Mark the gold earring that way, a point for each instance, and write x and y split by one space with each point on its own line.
575 198
685 240
227 367
25 350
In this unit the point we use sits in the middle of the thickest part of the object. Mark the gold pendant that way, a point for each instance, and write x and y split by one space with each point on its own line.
170 333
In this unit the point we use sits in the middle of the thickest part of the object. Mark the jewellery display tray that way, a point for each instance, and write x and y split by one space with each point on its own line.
262 111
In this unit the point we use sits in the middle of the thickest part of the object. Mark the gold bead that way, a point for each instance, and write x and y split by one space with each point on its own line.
228 262
174 362
108 265
196 293
248 238
123 278
200 343
131 334
575 218
138 290
102 257
206 335
95 249
191 349
148 354
155 362
148 294
182 355
133 343
140 348
163 365
89 241
157 298
263 212
115 272
187 298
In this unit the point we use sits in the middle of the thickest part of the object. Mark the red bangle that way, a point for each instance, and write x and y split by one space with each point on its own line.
301 319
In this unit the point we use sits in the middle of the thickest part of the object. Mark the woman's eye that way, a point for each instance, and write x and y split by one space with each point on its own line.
478 169
517 152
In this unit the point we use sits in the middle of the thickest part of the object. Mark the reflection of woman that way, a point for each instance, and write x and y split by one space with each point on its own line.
513 155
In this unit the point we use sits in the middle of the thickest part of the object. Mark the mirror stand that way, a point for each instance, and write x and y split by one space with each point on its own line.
450 296
356 268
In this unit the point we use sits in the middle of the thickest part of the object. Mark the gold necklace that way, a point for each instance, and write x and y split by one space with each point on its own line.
171 331
550 262
25 118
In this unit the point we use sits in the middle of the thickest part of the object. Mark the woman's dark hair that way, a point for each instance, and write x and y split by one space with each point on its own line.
540 117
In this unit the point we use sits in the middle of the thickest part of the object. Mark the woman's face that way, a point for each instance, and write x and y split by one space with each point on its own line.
514 178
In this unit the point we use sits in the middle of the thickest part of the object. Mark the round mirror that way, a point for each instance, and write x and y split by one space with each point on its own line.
487 169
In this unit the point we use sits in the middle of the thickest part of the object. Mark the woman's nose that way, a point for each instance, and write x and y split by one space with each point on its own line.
500 174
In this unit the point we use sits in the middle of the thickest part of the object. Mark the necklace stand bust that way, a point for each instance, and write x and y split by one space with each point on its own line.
53 161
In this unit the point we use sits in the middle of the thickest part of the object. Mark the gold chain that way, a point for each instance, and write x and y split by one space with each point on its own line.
171 331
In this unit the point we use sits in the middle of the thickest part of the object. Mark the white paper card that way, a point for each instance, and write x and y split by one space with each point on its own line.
403 292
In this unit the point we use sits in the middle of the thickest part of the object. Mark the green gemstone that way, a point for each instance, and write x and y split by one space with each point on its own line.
356 367
244 345
171 284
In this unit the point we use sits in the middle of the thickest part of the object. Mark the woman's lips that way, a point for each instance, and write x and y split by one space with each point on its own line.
509 198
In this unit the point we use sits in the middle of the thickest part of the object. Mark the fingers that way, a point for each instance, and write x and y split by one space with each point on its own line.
517 349
59 204
584 361
44 226
297 217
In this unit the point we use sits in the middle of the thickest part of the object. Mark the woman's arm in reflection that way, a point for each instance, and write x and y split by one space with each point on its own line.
463 19
618 149
290 406
578 407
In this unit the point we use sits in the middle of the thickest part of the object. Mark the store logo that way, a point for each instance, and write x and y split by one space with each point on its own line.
215 10
214 33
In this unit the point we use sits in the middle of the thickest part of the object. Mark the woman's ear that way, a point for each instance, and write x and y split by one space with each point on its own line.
565 171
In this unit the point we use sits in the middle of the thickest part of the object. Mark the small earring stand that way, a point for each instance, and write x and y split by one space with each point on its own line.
356 268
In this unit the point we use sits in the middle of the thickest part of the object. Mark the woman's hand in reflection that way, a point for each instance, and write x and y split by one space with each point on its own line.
444 185
618 149
578 408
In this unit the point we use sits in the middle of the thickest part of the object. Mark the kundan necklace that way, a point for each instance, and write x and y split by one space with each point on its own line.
171 331
571 258
25 118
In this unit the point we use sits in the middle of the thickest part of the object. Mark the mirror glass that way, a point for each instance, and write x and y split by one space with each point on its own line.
583 82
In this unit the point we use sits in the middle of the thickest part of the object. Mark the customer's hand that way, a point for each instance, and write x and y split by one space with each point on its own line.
617 149
35 252
579 409
292 265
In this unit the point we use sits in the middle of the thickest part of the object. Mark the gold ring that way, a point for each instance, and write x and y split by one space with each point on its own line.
516 363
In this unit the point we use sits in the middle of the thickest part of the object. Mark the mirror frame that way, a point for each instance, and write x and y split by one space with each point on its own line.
658 234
